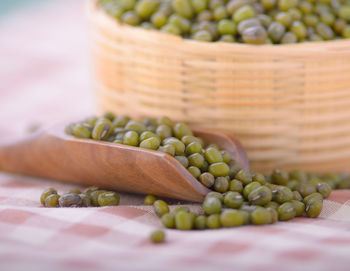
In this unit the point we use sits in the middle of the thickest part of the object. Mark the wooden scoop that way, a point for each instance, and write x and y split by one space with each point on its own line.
52 154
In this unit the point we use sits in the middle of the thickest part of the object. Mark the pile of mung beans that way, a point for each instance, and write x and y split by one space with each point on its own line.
280 196
239 196
211 166
243 21
90 197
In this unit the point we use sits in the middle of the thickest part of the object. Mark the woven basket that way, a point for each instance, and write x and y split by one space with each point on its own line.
289 105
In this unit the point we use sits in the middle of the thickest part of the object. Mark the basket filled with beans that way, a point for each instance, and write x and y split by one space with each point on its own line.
274 72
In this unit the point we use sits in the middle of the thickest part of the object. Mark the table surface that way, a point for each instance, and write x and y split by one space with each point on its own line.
44 78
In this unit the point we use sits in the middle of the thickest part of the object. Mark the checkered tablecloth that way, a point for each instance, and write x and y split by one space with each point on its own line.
44 77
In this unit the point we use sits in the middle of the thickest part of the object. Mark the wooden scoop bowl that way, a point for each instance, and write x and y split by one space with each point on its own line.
52 154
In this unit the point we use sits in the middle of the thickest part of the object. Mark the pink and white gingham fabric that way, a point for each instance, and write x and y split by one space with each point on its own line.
44 77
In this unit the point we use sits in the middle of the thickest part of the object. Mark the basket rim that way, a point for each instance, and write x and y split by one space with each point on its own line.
94 10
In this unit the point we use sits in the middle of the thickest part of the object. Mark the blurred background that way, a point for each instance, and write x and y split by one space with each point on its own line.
7 6
44 65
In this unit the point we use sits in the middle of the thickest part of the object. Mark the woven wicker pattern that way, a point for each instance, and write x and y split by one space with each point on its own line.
289 105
